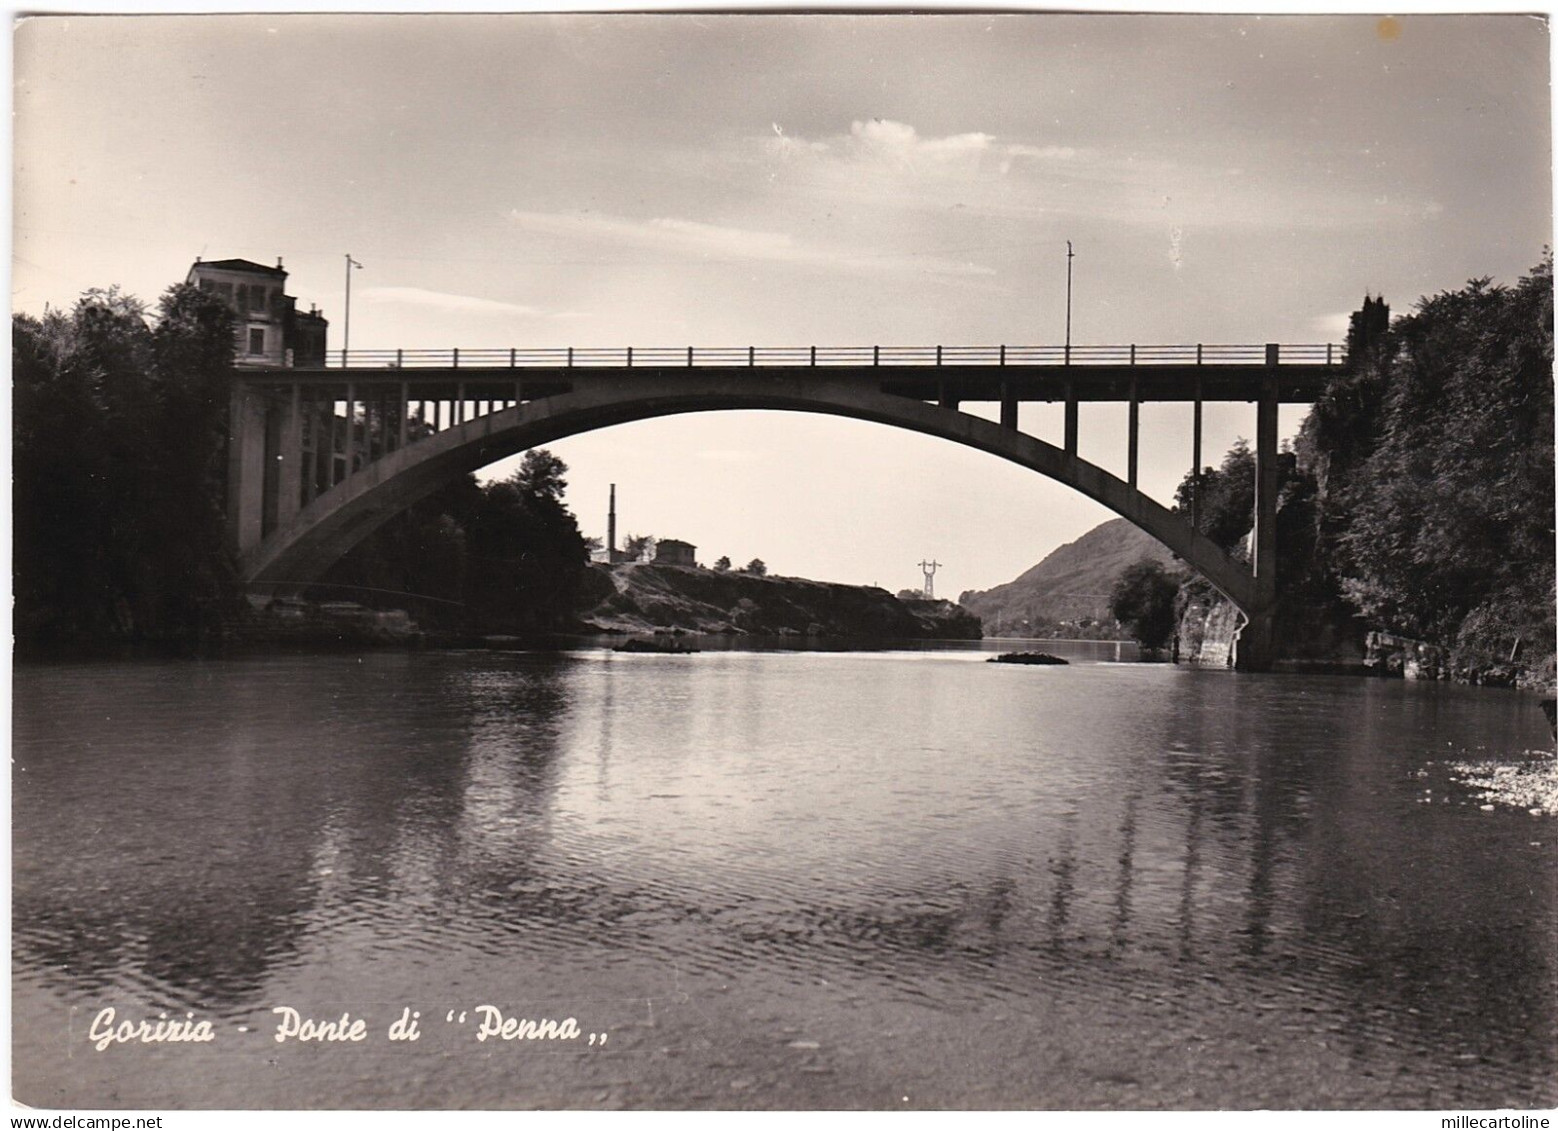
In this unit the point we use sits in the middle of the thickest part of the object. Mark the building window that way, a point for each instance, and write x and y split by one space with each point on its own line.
256 340
257 298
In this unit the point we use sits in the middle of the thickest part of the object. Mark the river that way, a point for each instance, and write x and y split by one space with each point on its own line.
775 879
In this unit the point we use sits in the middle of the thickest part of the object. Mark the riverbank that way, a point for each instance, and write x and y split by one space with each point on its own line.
1312 643
647 598
632 600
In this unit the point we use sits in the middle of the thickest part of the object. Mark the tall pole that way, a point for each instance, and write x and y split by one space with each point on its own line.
1070 255
346 328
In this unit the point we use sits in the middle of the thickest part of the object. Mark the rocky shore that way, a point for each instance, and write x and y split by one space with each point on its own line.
645 598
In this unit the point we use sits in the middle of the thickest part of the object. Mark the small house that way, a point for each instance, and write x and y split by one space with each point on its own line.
670 551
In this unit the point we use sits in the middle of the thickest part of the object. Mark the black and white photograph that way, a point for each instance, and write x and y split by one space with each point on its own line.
782 562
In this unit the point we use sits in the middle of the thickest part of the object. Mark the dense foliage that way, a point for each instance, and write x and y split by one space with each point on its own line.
1143 601
1433 463
118 465
1419 495
503 557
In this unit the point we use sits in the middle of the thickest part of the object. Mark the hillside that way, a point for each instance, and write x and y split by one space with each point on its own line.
1069 585
650 598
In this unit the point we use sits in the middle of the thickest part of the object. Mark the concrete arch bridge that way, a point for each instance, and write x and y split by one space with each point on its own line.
319 458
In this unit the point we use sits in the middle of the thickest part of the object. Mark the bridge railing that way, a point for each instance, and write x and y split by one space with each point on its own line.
790 357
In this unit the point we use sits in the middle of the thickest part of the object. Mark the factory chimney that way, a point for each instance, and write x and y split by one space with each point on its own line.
611 527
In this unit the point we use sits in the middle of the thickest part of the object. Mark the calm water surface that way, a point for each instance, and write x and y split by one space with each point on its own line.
805 879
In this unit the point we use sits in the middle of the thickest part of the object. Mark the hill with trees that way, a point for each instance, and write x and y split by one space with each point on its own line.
1070 585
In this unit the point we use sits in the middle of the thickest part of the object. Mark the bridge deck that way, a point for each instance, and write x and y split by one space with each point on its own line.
946 374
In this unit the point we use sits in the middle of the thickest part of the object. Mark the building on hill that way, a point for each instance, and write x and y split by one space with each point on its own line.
271 331
671 551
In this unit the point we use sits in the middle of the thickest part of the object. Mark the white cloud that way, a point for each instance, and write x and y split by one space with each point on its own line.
694 239
901 143
1333 326
438 300
1042 152
893 168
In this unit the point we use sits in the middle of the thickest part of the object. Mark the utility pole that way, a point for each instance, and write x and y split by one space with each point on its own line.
929 570
346 327
1070 255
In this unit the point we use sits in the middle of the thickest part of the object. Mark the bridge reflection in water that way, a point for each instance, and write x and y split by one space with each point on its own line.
319 458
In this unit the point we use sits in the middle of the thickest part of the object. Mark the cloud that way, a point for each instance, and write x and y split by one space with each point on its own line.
900 142
697 240
438 300
894 168
1333 326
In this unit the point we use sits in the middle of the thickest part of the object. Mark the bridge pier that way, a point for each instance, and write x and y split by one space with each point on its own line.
1195 459
1254 647
1134 430
1256 644
289 472
246 471
1265 535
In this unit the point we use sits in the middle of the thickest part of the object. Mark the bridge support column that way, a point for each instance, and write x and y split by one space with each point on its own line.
1256 646
1134 429
1195 461
289 479
1008 406
245 467
1265 538
1071 419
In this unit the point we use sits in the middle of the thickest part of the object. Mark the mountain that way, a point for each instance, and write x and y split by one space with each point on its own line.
1070 585
660 598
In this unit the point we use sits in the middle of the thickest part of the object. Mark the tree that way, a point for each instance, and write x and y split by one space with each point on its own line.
755 567
1227 506
723 565
118 464
1447 529
638 547
540 477
1143 601
509 552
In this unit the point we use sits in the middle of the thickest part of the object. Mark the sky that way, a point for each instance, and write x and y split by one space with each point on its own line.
781 180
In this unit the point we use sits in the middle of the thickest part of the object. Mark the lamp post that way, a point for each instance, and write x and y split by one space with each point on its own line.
346 327
1070 255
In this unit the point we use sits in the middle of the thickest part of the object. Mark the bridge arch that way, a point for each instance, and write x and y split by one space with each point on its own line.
304 547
